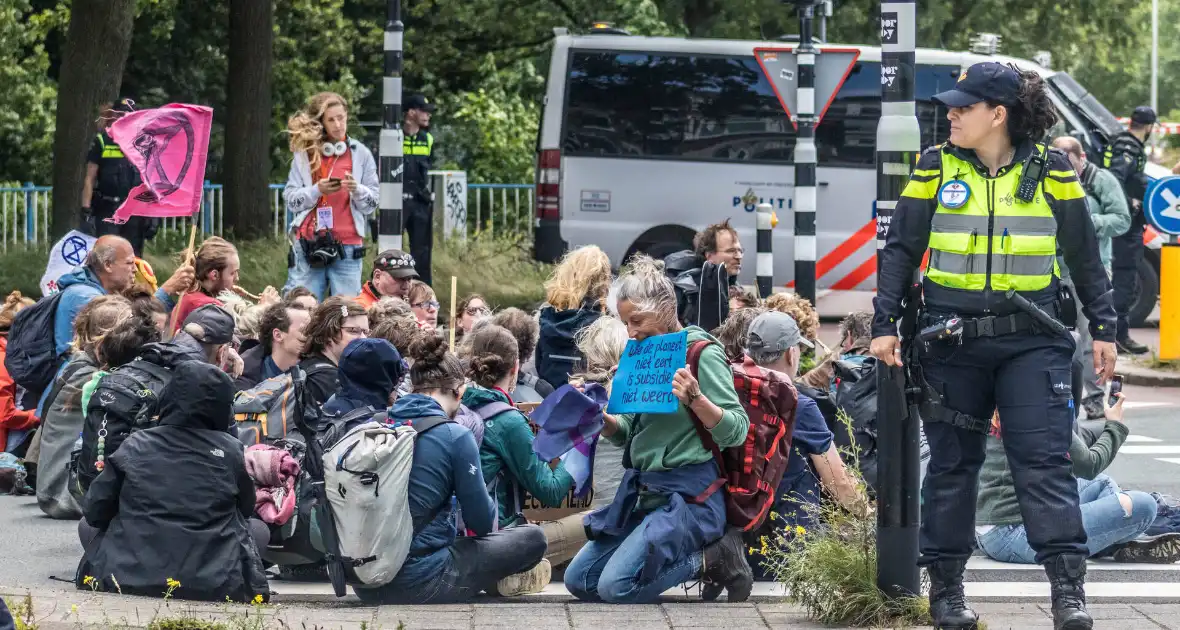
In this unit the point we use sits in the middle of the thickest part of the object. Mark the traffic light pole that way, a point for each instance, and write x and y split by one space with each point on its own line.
389 220
805 156
899 141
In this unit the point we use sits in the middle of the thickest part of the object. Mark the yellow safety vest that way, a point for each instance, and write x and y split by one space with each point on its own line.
411 145
111 150
991 239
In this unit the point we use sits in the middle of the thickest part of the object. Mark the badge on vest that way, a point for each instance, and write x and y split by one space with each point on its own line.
954 194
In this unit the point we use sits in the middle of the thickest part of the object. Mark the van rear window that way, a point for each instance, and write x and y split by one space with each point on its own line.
722 108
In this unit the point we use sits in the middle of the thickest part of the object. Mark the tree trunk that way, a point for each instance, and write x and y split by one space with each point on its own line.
248 207
93 58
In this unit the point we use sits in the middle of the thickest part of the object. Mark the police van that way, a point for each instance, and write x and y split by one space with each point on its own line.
645 140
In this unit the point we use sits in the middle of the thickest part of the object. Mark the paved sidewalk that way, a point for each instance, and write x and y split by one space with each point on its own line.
69 610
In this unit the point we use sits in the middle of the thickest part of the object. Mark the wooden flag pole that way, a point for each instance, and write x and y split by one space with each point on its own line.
454 290
192 243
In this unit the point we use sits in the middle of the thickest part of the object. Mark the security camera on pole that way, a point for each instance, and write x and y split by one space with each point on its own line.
390 166
899 141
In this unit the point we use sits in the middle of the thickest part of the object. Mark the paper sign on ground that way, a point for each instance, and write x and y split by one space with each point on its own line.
643 382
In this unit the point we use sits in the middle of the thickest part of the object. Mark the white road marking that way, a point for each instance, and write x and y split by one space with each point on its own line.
1141 438
1151 449
1170 460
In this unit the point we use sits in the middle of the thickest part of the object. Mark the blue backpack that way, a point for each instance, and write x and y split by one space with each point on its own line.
32 359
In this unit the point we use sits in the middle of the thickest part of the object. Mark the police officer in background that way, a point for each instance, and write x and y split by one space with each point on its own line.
1125 157
110 176
418 148
988 235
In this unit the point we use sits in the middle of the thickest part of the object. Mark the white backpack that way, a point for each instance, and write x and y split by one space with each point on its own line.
366 480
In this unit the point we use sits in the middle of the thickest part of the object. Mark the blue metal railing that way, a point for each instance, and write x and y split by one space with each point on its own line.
25 211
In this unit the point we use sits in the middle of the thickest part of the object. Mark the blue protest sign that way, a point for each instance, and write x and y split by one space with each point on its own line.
643 382
1162 205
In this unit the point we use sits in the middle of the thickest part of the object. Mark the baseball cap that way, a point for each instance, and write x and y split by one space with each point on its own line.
985 81
1144 115
210 324
775 332
396 263
418 101
124 105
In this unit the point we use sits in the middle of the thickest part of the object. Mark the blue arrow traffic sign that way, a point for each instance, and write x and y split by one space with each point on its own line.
1162 205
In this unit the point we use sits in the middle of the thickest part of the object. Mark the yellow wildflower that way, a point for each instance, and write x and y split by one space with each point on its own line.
258 599
773 515
799 530
172 584
88 580
765 545
73 609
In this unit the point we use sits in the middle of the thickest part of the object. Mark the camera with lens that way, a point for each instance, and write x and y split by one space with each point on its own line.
323 250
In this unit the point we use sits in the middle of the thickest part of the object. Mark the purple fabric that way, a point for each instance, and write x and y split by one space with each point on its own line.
569 422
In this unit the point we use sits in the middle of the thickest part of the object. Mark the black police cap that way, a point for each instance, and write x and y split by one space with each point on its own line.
985 81
1144 115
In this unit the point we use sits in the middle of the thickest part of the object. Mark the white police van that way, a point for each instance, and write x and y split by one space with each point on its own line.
645 140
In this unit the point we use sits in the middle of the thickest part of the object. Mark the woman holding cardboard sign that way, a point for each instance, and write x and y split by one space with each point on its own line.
667 524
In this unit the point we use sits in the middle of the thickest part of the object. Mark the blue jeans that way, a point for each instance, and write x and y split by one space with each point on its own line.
344 275
607 569
1102 515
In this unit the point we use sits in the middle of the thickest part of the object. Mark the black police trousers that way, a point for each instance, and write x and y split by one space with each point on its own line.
420 229
1126 250
1027 377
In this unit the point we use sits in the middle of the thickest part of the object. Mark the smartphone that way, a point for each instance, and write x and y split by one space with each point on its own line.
1116 389
334 180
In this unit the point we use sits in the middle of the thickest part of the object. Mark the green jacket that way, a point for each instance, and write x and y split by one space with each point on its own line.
508 448
668 441
1108 210
997 492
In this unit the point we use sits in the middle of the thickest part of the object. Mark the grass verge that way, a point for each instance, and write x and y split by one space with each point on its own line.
1154 362
500 268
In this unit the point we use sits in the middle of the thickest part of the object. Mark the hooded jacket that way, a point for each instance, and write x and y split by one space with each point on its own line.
557 354
507 452
445 468
79 287
370 369
174 500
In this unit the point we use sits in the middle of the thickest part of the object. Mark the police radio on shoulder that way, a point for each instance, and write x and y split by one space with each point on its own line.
1034 171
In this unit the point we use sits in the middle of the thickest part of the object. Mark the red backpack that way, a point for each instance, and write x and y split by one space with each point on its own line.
753 470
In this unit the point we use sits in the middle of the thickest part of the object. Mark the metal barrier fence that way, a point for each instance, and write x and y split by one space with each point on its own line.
491 208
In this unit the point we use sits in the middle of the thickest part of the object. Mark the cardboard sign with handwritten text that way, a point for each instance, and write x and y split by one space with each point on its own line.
643 382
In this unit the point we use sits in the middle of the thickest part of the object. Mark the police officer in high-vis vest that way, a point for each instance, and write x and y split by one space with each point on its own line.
110 176
993 207
418 148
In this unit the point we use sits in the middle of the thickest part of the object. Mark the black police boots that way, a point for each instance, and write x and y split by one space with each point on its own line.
1067 574
726 568
948 603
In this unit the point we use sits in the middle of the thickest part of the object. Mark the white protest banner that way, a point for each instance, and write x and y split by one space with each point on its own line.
66 254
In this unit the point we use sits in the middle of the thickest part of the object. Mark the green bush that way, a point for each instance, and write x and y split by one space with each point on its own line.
500 268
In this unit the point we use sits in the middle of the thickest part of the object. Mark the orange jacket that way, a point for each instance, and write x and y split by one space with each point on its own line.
368 297
11 418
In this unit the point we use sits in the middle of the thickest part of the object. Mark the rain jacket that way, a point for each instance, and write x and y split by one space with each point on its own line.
557 352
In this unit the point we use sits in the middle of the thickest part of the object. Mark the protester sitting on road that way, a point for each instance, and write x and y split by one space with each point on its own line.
855 338
302 298
280 340
333 325
732 333
330 192
441 567
805 315
370 371
634 555
602 344
471 308
149 308
248 326
402 332
424 304
12 418
393 270
575 296
740 298
174 503
508 461
529 387
774 343
388 307
1115 519
216 266
64 409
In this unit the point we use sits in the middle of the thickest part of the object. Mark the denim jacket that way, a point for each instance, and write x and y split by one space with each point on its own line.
301 193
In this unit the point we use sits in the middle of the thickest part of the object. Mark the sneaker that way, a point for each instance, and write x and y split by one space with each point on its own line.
1130 346
1167 516
1162 549
532 581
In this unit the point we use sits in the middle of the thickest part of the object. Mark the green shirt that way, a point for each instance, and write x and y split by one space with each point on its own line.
669 440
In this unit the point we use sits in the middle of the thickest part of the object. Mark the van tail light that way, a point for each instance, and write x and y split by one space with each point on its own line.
549 184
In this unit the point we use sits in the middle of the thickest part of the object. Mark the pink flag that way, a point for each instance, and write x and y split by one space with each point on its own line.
168 146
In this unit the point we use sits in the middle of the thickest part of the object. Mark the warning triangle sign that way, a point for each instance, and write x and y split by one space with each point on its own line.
781 67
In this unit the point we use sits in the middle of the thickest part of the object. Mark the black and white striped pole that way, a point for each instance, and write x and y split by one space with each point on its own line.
805 155
765 262
391 167
899 141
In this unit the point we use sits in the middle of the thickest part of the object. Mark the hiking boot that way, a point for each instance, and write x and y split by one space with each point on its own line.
948 602
532 581
726 568
1130 346
1067 576
1159 549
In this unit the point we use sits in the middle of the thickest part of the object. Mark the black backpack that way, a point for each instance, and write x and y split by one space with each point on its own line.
32 359
856 395
126 400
